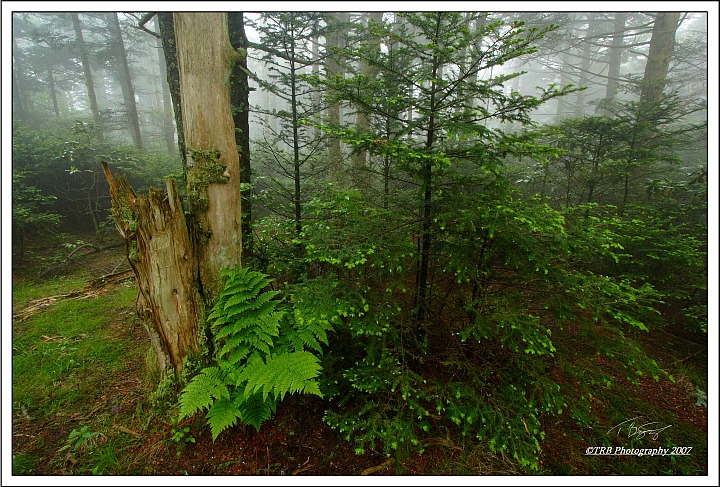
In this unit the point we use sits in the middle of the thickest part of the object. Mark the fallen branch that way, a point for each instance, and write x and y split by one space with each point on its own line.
83 246
302 469
382 466
94 288
91 413
127 430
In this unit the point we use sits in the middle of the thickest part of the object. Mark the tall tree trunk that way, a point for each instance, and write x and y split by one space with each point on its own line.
296 136
177 261
421 296
21 103
167 34
239 90
662 44
18 112
204 60
614 60
53 92
315 71
478 28
168 127
561 108
586 52
87 74
125 79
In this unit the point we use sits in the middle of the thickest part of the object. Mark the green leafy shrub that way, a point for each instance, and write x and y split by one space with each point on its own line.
260 353
523 309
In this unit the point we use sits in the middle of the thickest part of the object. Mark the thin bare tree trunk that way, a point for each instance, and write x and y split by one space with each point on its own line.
87 73
168 128
126 84
167 34
615 59
239 90
587 61
363 121
335 40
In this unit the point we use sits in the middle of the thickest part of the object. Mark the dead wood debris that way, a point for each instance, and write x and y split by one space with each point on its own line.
94 288
377 468
127 430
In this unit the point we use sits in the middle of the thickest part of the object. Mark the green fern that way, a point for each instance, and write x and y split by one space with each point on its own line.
203 390
282 374
255 368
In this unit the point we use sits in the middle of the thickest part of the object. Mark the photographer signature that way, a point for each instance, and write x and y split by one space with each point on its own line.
641 430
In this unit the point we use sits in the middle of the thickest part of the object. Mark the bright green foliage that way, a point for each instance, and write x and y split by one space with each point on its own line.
260 356
522 274
81 439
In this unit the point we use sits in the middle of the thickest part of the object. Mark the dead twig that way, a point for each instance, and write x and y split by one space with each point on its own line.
441 441
91 413
304 468
127 430
49 339
382 466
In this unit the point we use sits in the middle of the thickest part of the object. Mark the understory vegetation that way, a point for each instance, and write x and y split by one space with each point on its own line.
84 401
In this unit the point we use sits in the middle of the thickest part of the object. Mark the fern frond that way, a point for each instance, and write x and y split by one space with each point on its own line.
255 410
255 366
238 298
223 414
250 317
244 281
287 373
202 391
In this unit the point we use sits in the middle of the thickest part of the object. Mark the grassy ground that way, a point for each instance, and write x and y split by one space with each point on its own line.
82 404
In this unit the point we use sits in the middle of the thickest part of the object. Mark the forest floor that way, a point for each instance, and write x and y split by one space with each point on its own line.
83 403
